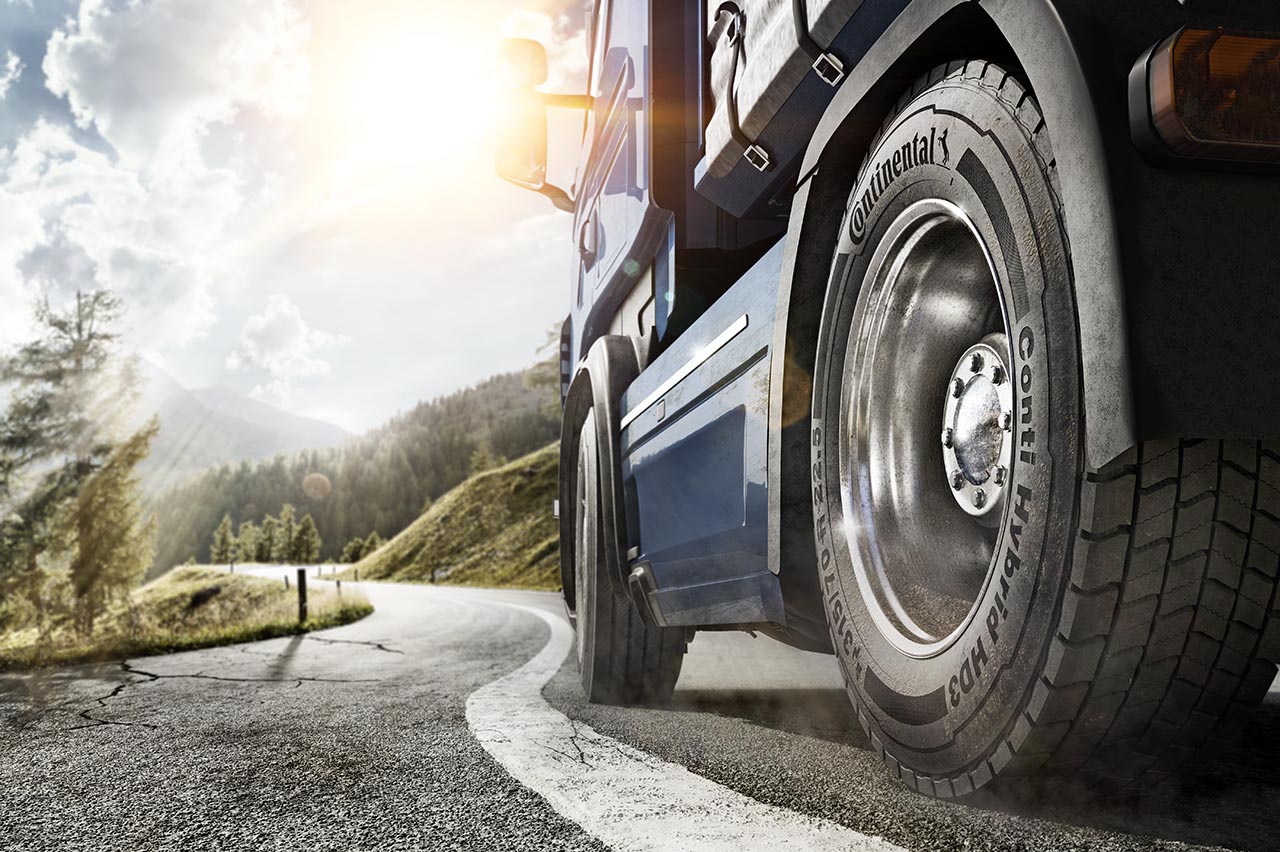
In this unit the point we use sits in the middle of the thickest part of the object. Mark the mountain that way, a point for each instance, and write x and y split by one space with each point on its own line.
494 529
380 481
303 433
203 428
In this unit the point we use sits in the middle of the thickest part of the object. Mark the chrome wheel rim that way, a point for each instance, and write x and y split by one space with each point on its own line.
924 399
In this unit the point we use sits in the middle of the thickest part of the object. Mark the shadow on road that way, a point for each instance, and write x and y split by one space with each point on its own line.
1233 802
280 665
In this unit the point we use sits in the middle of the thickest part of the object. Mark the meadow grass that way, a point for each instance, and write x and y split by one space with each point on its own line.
189 607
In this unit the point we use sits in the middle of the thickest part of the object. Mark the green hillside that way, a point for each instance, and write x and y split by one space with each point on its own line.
375 483
495 529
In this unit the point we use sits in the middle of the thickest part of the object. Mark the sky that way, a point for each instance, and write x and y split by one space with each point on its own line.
294 198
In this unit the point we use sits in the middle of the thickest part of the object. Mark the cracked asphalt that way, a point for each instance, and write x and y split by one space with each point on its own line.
356 738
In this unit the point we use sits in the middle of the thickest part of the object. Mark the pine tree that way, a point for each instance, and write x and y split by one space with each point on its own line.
481 460
247 542
282 550
267 540
354 551
69 397
306 542
113 542
372 543
223 549
545 375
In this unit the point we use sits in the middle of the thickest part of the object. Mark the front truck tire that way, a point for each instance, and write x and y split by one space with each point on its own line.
1000 612
622 658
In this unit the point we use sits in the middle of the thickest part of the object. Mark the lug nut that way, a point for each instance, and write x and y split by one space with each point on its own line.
999 474
1006 421
976 362
979 498
948 438
997 375
957 480
957 388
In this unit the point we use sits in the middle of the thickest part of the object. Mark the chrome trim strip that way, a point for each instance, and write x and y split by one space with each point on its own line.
688 367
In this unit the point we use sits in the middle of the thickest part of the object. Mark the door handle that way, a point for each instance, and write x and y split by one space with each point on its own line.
587 240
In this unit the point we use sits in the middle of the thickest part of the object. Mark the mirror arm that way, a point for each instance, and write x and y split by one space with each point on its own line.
568 101
558 197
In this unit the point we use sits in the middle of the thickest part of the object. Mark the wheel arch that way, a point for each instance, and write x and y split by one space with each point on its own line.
1031 38
611 364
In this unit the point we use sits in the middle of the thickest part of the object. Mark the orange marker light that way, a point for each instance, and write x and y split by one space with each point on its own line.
1215 93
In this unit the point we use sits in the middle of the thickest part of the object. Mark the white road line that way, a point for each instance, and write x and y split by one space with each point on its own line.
628 799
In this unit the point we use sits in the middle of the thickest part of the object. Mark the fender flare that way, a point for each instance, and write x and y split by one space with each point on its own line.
1041 41
611 365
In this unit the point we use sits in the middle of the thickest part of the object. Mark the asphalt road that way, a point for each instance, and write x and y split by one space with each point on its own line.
408 730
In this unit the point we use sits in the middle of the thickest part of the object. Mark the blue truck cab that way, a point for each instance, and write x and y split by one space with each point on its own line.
937 335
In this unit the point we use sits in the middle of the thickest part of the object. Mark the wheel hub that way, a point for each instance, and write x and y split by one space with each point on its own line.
929 294
977 421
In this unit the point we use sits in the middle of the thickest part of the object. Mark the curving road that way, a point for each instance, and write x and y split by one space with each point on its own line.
446 720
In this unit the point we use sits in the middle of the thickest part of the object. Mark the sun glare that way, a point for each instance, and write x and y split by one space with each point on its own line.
412 104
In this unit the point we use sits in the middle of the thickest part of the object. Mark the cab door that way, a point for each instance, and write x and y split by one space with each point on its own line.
613 161
613 196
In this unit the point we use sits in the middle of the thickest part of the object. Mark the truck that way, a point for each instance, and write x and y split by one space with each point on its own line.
937 335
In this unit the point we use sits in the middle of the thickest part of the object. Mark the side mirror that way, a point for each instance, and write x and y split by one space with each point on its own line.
520 149
520 146
522 63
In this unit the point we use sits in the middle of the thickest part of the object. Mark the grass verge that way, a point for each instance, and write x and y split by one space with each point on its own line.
190 607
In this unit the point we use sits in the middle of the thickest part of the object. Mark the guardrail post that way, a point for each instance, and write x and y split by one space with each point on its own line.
302 595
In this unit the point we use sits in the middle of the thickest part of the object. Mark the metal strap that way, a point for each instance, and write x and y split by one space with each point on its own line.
828 66
729 18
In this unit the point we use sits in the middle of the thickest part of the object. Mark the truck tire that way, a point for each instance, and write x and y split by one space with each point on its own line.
1002 613
622 659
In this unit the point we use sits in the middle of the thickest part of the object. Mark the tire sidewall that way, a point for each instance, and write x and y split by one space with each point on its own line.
589 620
943 716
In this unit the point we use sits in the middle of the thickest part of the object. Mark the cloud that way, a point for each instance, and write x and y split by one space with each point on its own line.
154 192
565 39
101 224
152 78
21 230
13 68
279 343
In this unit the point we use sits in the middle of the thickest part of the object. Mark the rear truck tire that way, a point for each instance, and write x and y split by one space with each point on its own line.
622 658
1000 612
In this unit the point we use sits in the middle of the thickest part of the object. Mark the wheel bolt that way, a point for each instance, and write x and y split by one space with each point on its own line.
948 438
999 474
979 498
1006 421
957 480
997 375
976 362
957 388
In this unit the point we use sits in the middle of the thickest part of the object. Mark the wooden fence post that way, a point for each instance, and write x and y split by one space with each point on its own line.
302 595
